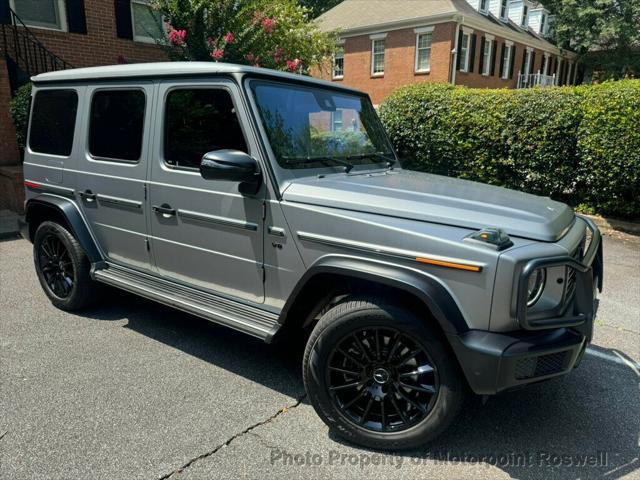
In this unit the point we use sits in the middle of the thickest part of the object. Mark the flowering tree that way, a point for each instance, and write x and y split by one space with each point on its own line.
274 34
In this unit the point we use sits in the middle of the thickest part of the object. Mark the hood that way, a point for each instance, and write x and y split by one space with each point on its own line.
433 198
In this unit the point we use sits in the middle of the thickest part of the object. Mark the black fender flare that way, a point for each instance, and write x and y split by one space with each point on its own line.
69 210
429 290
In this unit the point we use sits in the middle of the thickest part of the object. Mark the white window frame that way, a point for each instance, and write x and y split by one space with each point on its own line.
60 10
487 55
543 20
419 33
486 6
524 21
142 38
335 121
506 63
380 37
333 62
464 65
504 10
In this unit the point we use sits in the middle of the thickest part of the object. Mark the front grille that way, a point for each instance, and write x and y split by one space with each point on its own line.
533 367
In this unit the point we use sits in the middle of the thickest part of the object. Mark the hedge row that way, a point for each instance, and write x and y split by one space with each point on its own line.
580 145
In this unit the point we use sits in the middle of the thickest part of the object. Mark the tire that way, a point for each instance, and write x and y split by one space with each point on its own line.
375 414
63 268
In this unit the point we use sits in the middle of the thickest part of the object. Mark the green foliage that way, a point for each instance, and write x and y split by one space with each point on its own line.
19 110
266 33
318 7
580 145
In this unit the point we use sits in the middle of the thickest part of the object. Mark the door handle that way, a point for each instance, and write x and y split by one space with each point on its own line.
88 195
165 210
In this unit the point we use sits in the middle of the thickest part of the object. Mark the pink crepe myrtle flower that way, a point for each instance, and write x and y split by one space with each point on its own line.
229 37
176 37
268 24
278 54
217 54
250 57
292 65
210 42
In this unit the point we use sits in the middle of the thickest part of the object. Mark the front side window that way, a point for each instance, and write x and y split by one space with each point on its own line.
377 57
116 124
338 63
464 52
423 52
486 56
506 61
311 127
147 22
197 121
41 13
53 122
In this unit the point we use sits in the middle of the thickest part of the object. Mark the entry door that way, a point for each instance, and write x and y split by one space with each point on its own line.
112 170
204 233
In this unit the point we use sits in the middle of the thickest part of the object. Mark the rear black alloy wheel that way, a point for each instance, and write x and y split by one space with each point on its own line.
56 265
382 380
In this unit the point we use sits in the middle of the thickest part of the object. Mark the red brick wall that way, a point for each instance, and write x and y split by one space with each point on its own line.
399 66
8 147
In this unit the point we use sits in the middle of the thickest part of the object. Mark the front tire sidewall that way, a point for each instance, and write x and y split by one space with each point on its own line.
316 362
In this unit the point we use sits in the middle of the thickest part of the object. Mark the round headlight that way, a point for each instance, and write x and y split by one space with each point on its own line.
536 285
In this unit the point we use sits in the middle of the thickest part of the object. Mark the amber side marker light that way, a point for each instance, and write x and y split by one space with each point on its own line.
458 266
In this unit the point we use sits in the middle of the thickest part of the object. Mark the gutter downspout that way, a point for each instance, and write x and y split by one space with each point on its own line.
454 53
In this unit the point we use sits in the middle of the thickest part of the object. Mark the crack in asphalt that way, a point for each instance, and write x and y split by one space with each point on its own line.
232 438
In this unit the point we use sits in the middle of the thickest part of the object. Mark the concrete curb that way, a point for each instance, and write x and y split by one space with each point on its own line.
607 225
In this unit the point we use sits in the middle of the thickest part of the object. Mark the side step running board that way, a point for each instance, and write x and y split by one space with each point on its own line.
245 318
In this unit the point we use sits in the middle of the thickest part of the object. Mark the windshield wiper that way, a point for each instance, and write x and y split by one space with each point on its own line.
378 155
325 160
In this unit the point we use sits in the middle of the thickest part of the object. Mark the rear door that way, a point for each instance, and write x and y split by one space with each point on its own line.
204 233
113 168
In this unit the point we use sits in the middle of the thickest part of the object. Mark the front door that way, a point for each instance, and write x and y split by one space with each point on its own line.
112 170
204 233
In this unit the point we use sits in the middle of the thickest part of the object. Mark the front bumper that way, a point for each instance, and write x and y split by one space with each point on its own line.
543 349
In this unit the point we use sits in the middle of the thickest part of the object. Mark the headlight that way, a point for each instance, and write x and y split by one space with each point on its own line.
535 287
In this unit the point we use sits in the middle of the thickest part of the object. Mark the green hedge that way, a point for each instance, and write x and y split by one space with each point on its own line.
19 110
580 145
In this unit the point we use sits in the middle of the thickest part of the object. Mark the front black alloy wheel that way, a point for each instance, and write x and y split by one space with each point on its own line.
380 375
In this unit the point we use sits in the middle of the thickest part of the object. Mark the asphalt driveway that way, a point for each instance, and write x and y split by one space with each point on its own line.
137 390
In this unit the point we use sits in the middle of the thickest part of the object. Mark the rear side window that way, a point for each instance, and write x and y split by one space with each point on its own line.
116 124
53 122
197 121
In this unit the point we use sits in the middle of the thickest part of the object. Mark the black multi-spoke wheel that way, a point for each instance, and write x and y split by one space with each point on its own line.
379 375
382 379
62 267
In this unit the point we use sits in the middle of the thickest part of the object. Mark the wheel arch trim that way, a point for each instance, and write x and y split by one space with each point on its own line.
71 213
429 290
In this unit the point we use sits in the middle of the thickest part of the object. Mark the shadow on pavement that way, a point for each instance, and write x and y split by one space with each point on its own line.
584 425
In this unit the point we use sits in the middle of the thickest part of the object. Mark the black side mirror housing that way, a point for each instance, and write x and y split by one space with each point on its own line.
233 166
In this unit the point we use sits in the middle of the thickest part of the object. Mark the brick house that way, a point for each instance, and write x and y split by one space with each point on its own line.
384 44
44 35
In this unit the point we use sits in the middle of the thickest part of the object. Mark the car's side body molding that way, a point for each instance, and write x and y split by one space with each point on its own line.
68 209
432 293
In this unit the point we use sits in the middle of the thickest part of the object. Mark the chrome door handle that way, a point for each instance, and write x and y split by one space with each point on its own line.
165 210
88 195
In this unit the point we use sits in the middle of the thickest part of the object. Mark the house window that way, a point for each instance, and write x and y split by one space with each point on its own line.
41 13
423 52
377 56
336 121
526 64
483 5
503 9
525 14
543 20
487 57
506 61
464 52
147 23
338 63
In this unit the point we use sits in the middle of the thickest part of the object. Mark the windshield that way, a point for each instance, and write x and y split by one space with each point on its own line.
314 127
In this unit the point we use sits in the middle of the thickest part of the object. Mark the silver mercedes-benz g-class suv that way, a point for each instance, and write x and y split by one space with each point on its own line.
275 204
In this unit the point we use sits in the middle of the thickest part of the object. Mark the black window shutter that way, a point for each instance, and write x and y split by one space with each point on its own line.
481 55
76 16
459 63
524 58
512 61
472 53
5 18
494 49
504 47
533 61
124 28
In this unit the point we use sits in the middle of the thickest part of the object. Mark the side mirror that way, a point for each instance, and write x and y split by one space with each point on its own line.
233 166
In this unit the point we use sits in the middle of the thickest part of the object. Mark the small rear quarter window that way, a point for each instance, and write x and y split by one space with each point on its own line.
53 122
